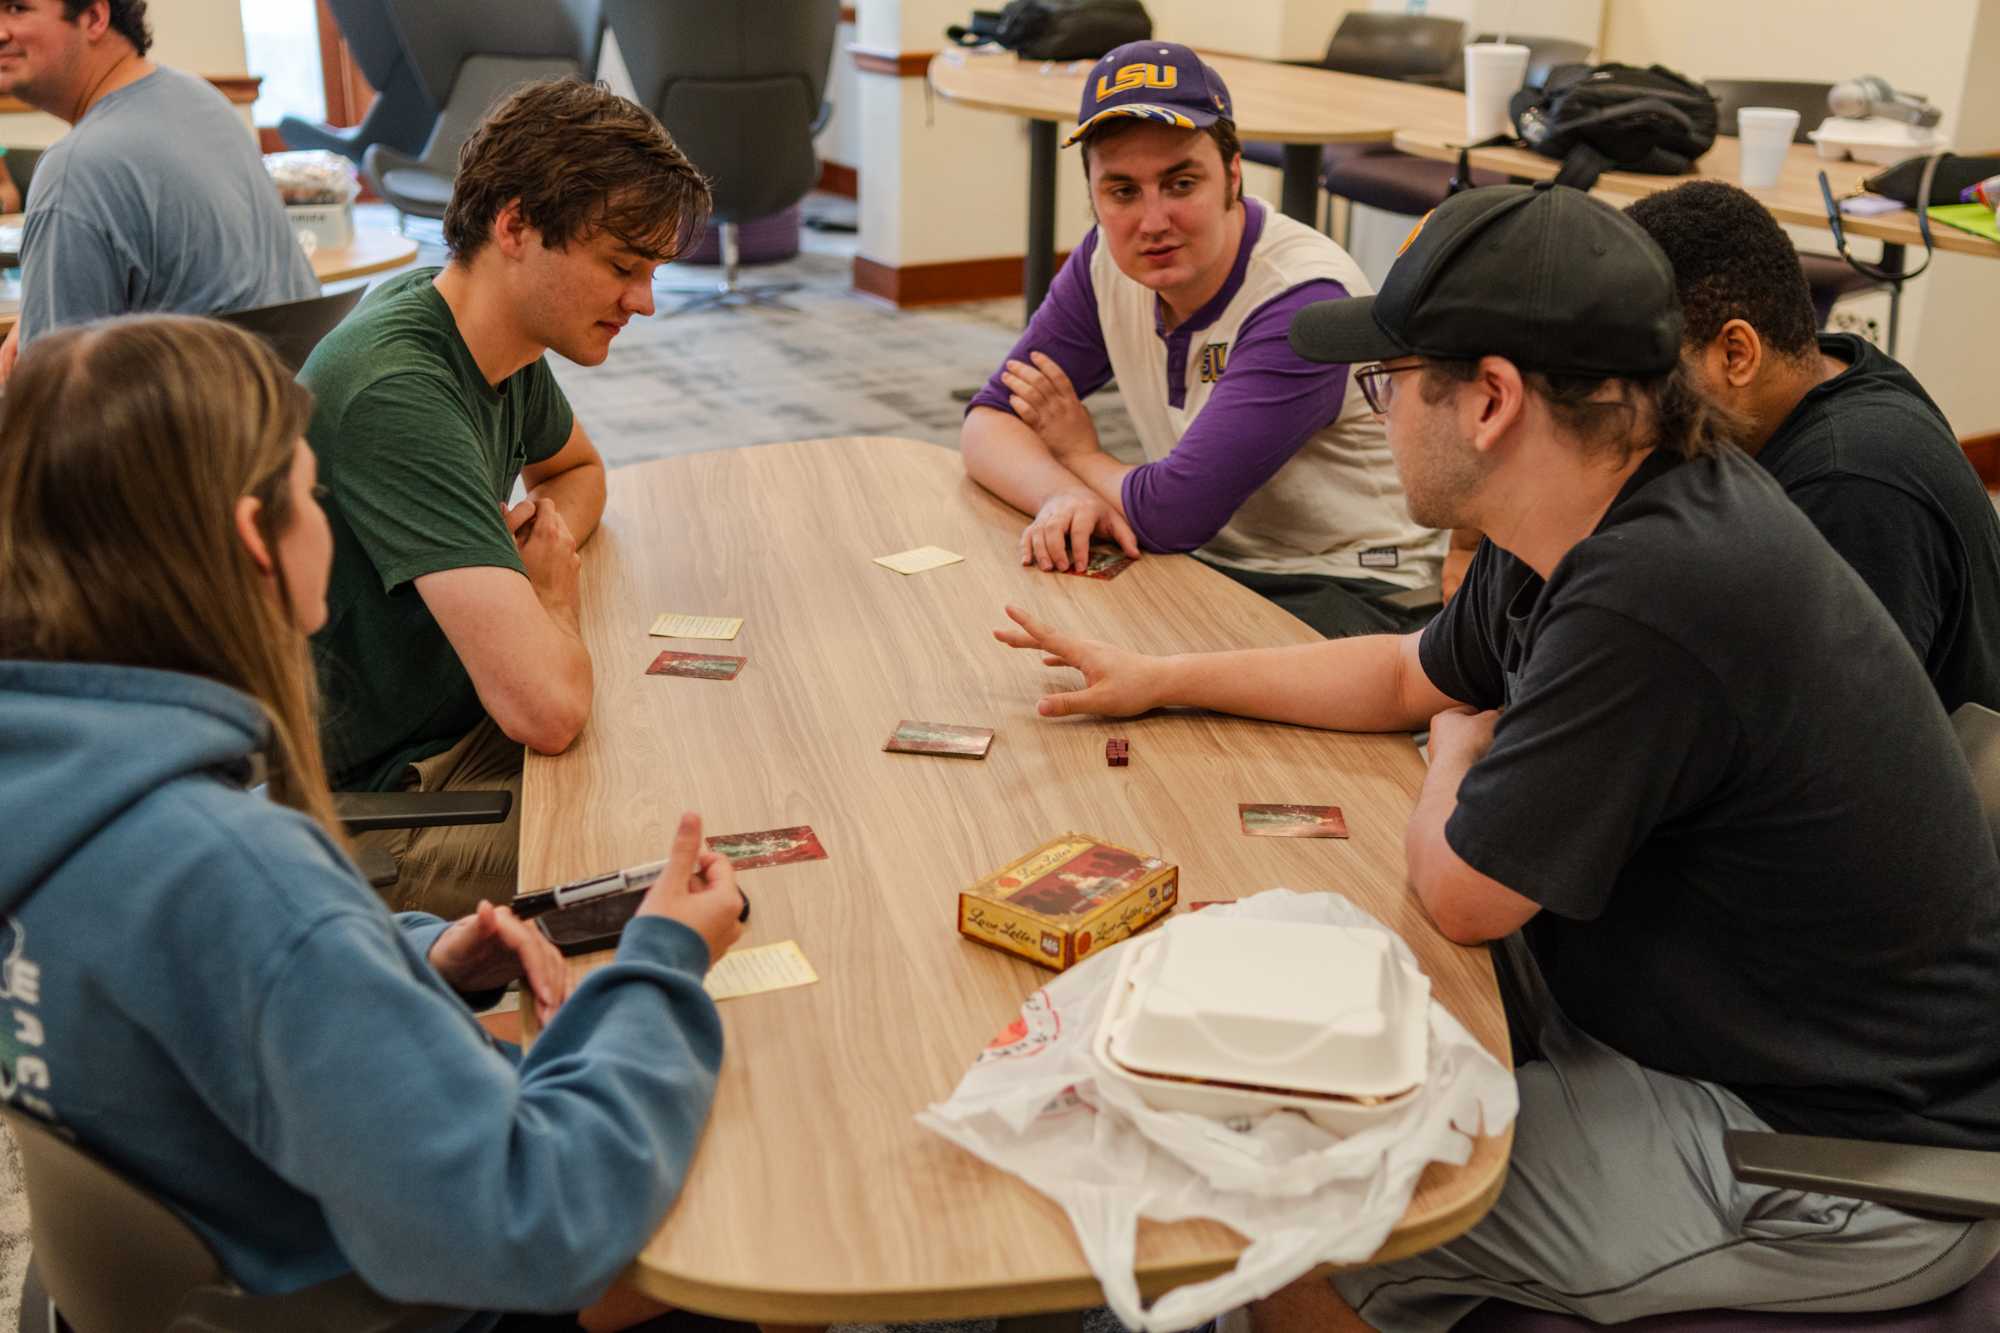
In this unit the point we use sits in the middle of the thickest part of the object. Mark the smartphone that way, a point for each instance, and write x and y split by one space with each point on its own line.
591 926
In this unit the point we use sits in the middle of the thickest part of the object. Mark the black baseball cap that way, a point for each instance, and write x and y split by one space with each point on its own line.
1542 274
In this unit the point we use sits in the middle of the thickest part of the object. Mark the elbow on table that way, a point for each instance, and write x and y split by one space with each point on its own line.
546 724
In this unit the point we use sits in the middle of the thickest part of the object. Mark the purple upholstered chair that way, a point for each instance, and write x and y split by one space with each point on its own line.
1940 1181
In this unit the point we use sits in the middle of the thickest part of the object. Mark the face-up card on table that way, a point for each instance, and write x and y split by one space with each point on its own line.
754 971
940 738
674 625
696 666
1106 562
918 560
1293 821
770 847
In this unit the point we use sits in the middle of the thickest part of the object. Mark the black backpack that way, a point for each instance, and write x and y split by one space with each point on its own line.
1057 29
1597 118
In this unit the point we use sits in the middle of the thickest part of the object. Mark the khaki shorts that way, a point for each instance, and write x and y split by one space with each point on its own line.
1620 1203
446 870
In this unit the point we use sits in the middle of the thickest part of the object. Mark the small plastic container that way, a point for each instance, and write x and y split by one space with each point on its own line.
1877 139
1229 1017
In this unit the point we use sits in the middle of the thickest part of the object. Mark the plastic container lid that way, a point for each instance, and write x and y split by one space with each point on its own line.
1275 1004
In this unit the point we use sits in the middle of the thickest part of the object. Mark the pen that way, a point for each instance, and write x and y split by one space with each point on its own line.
559 896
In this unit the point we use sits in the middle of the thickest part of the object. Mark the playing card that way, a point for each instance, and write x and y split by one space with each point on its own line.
770 847
696 666
940 738
1106 562
1293 821
752 971
918 560
674 625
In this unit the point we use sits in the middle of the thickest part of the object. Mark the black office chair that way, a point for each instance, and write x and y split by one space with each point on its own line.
1942 1182
1397 182
402 114
466 55
742 88
1409 48
109 1257
1828 276
294 328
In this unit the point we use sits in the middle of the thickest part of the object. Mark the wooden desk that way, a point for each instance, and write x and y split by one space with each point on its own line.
373 250
1301 107
815 1196
1794 199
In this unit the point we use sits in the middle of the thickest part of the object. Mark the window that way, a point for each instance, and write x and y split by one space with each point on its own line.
281 42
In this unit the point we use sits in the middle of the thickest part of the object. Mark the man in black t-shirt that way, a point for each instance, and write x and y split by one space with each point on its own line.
1849 433
1683 769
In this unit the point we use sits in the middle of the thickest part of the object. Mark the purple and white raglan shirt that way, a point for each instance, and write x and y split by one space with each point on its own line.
1256 457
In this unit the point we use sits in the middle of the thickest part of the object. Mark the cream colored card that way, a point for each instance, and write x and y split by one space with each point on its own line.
674 625
919 560
753 971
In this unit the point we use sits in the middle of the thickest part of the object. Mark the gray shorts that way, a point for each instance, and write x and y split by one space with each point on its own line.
1619 1203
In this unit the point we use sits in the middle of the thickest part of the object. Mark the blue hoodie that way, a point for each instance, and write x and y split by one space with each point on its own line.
197 984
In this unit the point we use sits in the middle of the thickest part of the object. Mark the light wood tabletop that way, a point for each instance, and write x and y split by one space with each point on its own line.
1794 199
815 1196
373 250
1272 101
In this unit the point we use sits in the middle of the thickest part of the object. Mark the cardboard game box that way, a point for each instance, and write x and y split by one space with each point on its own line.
1066 899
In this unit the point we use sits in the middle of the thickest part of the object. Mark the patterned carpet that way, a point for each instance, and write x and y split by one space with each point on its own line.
840 364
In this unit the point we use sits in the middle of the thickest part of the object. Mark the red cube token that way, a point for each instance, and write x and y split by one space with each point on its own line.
1117 752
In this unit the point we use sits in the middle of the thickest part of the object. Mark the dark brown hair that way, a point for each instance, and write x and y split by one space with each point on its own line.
1223 132
580 160
125 446
128 19
1681 421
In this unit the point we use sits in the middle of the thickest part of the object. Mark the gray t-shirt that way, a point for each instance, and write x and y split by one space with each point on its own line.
155 201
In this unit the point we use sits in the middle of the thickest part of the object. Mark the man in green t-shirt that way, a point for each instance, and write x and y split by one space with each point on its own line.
452 638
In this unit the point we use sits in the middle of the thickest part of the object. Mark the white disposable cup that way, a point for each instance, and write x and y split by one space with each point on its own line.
1764 137
1494 72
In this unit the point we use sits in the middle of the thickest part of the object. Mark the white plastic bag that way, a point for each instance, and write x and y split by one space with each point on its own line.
1032 1105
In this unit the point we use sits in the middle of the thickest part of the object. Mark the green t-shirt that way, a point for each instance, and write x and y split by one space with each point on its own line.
418 452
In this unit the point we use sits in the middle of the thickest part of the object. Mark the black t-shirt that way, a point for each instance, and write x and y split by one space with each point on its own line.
1724 776
1870 459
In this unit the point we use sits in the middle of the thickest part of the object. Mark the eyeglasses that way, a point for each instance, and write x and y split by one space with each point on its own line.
1377 387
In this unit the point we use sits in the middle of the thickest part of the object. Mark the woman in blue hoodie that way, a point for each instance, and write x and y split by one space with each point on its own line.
194 981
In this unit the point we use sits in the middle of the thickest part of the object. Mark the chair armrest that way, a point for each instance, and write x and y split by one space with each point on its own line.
820 119
339 1305
373 811
1957 1182
1427 598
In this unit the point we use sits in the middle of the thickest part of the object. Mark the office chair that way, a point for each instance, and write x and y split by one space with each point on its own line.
109 1257
1829 277
402 114
742 89
1396 182
1409 48
294 328
465 54
1942 1182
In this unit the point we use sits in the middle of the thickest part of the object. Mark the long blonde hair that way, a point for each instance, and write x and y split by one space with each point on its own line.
124 448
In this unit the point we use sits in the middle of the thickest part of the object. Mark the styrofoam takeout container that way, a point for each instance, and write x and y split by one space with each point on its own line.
1875 139
1228 1017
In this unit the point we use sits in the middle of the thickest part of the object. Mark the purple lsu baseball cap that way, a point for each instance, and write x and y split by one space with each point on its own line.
1151 80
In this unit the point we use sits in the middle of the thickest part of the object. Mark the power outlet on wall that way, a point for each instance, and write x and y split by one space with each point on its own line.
1847 321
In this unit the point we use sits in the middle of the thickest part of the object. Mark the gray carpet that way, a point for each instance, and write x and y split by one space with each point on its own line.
840 364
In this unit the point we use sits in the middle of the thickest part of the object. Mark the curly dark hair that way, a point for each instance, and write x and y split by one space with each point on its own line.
128 19
580 159
1731 261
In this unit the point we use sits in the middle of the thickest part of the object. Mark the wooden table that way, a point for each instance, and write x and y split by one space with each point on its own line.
815 1196
1301 107
373 250
1794 199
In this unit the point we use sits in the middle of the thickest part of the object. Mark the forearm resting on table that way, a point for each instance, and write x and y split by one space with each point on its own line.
1003 454
578 495
1371 683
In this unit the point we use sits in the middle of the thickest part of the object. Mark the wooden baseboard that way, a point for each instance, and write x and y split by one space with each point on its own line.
940 284
836 178
1983 450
